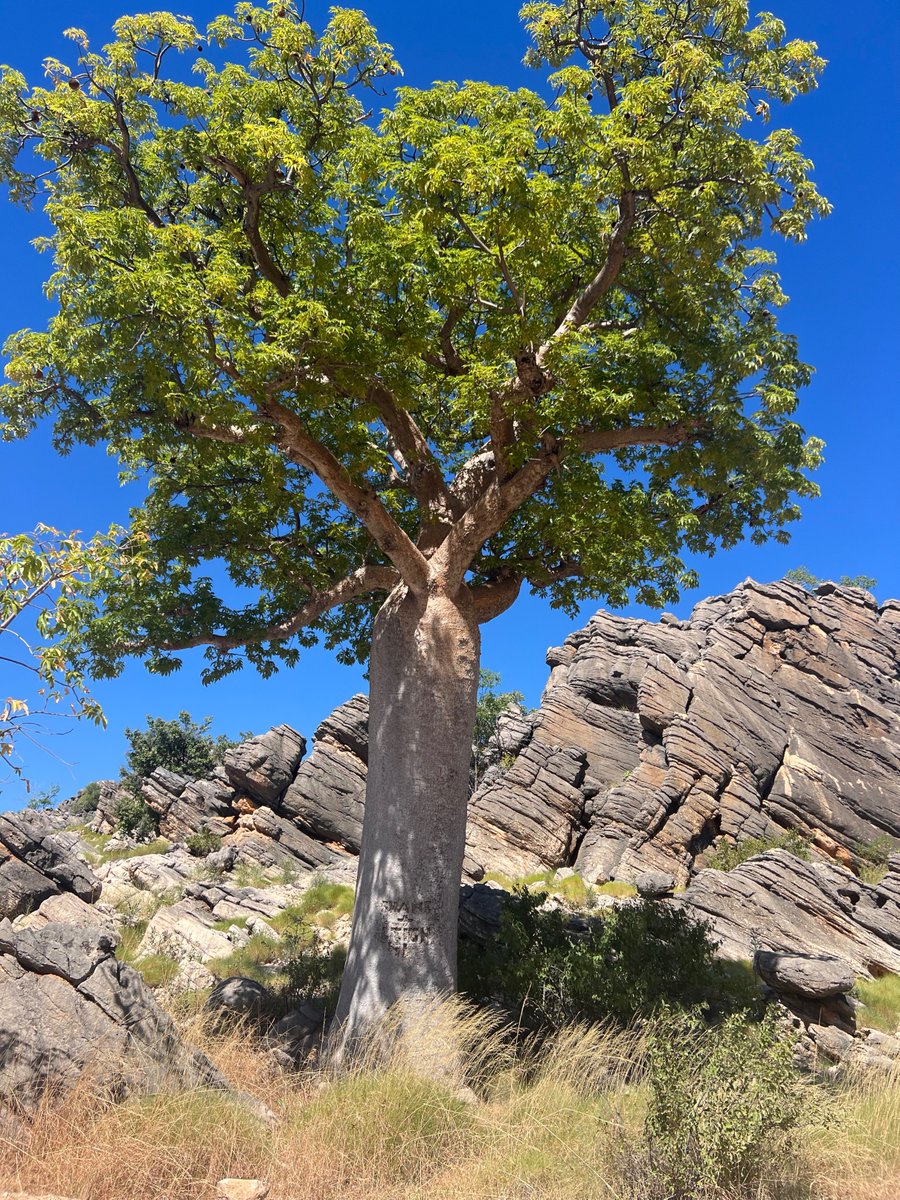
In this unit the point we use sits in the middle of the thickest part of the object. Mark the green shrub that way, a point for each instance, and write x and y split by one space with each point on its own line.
628 962
728 855
183 745
203 842
135 817
724 1109
254 960
311 973
43 801
85 802
875 855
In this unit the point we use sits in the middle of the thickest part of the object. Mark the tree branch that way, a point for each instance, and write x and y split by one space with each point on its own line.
423 472
498 500
253 193
587 300
367 579
392 540
496 596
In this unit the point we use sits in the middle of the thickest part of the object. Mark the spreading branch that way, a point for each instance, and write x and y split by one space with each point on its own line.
361 582
299 445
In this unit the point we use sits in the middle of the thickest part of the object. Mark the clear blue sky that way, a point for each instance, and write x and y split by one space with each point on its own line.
844 307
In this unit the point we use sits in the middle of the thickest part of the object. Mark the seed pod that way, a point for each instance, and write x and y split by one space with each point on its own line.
74 85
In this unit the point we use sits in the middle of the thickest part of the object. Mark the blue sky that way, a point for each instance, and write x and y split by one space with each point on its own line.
845 308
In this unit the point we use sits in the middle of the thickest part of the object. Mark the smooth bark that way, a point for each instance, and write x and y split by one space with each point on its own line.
423 690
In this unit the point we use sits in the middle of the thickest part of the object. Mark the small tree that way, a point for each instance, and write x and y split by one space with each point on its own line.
183 745
806 579
488 709
388 371
48 582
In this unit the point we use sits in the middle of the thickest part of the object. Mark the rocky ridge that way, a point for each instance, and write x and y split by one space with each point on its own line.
769 709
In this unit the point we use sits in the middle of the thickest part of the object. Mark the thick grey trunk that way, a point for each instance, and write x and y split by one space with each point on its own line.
423 691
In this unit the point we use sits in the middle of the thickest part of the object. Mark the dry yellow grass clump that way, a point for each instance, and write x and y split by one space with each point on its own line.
560 1120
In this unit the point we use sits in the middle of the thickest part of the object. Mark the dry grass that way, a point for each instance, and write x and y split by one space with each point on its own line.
549 1123
859 1156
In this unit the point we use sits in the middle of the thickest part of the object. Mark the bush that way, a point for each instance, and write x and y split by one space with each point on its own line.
728 855
85 802
725 1105
136 818
43 801
183 745
875 855
627 963
203 842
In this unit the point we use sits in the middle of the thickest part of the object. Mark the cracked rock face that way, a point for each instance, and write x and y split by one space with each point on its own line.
770 709
36 864
777 902
68 1006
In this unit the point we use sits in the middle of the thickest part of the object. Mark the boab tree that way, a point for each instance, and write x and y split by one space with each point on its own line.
383 368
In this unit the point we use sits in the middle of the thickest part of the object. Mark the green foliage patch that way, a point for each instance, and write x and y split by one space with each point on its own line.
203 842
182 745
728 855
629 961
725 1103
134 817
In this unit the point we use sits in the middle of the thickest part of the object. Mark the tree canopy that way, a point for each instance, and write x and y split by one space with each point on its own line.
500 336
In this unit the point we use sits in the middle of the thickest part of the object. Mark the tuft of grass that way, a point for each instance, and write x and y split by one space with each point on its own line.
156 969
322 904
571 888
226 923
250 875
728 855
99 854
882 1000
616 888
255 960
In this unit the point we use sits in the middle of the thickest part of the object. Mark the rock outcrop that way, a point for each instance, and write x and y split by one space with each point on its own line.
269 802
37 863
778 902
770 709
104 1018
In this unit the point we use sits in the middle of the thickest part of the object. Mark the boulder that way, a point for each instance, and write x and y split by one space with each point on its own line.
298 1036
242 1189
37 863
265 765
104 817
327 796
809 976
104 1020
653 885
237 998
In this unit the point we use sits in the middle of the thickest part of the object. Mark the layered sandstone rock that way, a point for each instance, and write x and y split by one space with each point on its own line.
770 709
68 1006
37 863
777 902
